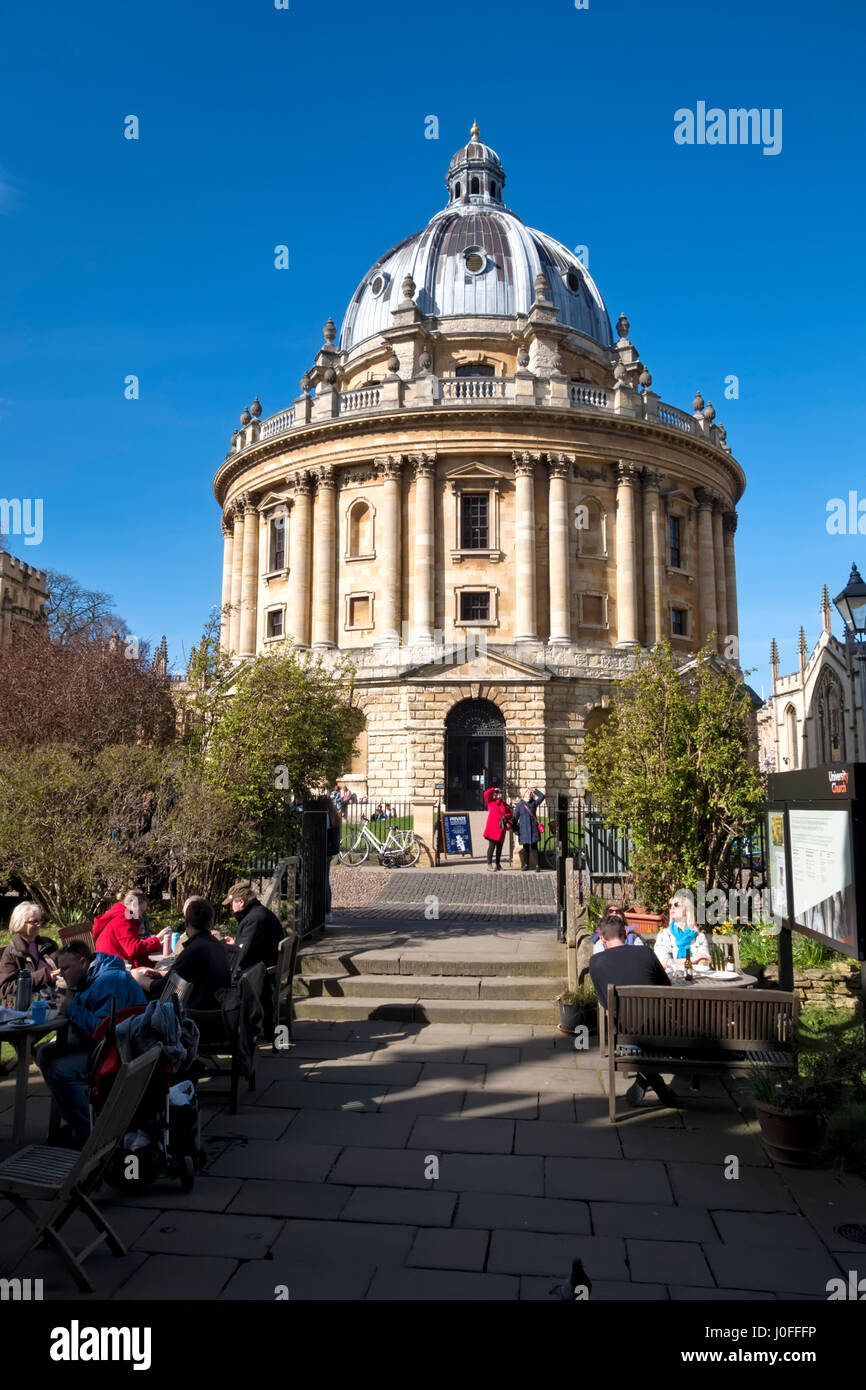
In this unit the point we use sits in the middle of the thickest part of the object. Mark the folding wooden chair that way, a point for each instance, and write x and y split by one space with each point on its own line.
175 987
282 976
84 934
62 1178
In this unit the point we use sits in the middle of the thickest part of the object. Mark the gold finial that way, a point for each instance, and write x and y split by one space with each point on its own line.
475 132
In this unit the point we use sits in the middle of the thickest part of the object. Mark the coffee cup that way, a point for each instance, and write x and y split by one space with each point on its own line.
39 1011
175 938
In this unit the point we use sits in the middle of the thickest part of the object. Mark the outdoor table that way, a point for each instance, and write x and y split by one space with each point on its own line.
740 981
22 1039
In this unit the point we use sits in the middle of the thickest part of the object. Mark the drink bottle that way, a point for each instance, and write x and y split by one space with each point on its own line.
729 963
24 992
688 970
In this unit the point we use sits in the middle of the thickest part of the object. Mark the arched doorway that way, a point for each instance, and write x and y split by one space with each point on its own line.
474 753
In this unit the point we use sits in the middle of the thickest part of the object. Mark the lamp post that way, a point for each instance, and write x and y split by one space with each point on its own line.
851 603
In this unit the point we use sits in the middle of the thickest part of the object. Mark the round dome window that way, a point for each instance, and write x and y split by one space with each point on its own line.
475 260
572 280
377 284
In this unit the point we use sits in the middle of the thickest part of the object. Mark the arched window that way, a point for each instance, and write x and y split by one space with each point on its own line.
591 524
474 186
791 739
476 369
493 190
359 537
457 190
831 708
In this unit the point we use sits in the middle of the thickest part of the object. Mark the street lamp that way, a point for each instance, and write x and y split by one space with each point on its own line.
851 603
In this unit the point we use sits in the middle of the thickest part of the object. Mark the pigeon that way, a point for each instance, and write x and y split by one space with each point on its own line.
573 1291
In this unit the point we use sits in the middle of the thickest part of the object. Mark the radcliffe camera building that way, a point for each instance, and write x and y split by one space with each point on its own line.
479 498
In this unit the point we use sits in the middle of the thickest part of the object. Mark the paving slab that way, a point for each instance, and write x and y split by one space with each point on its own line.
505 1105
349 1073
650 1222
320 1048
358 1167
283 1159
454 1073
495 1212
534 1252
258 1281
492 1173
427 1098
839 1206
491 1055
548 1138
250 1123
178 1277
195 1233
771 1228
534 1076
209 1194
297 1095
668 1262
108 1273
692 1146
400 1206
339 1242
324 1201
431 1285
534 1287
462 1134
704 1185
629 1180
371 1131
688 1293
778 1269
449 1250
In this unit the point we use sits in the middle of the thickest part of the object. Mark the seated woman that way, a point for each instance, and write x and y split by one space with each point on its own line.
613 914
120 931
681 935
27 953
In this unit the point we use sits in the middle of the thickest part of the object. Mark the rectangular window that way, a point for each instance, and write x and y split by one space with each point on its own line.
678 622
676 553
475 521
592 610
474 608
359 611
275 622
278 543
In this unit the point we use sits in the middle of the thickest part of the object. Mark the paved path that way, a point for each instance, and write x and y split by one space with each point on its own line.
325 1183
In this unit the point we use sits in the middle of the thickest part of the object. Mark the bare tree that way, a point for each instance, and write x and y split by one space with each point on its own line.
72 611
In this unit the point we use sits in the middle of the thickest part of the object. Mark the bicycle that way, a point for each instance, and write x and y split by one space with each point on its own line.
399 848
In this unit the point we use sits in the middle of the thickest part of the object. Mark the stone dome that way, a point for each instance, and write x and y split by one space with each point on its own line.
476 258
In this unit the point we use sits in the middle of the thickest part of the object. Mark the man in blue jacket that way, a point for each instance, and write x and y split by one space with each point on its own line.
92 983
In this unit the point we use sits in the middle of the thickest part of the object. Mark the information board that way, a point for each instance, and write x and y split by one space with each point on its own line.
821 873
457 832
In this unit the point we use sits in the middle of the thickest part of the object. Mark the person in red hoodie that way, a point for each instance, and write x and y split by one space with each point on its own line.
497 824
120 931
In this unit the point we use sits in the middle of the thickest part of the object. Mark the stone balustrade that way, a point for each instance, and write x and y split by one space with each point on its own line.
277 424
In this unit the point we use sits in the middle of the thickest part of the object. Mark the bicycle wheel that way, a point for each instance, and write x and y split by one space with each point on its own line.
354 851
410 846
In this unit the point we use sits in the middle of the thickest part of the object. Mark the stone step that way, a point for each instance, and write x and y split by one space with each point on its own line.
414 962
545 987
487 1011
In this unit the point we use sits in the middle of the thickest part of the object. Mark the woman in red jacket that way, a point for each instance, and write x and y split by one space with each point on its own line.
497 824
118 932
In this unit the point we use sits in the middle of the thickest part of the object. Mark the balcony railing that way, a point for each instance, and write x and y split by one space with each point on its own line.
277 424
476 388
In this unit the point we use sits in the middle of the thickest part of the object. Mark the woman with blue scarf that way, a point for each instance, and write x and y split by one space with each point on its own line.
681 935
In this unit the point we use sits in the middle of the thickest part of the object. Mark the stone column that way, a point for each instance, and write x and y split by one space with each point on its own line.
237 576
706 564
249 579
389 551
719 569
627 477
558 528
653 557
325 561
525 605
425 546
300 554
729 526
225 615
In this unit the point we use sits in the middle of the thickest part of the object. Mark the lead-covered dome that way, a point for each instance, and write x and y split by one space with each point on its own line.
476 258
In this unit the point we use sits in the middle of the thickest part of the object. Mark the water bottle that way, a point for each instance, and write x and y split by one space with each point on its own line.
24 992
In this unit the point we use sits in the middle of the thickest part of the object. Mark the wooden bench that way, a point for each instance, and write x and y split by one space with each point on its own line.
698 1030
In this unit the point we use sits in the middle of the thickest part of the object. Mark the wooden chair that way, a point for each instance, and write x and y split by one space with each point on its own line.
175 987
282 976
718 945
84 934
698 1030
215 1042
60 1179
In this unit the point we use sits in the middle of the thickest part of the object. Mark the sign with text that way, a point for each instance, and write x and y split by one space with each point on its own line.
457 832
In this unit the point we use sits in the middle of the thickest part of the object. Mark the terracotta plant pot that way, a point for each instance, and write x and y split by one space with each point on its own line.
791 1137
649 922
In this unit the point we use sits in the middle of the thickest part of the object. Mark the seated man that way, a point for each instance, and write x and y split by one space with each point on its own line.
92 982
204 961
616 967
259 930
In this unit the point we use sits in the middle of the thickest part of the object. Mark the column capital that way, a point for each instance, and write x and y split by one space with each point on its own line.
301 482
729 522
424 465
326 476
389 466
246 504
525 463
560 465
704 497
719 506
628 474
652 480
227 524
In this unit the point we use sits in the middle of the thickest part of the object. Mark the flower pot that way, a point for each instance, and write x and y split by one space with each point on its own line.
570 1015
650 922
791 1137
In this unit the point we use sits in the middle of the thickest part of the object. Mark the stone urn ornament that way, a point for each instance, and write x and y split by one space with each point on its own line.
256 409
523 357
330 331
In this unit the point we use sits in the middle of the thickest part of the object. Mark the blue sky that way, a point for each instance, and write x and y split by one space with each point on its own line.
306 127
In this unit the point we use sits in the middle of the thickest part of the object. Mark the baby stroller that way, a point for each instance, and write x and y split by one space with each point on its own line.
164 1139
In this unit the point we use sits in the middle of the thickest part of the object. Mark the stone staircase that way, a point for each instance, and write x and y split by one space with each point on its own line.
414 985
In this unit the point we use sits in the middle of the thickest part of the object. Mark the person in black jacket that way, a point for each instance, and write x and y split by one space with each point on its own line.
259 930
203 960
613 966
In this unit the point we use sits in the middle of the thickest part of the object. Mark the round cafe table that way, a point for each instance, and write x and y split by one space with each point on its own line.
22 1039
738 981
